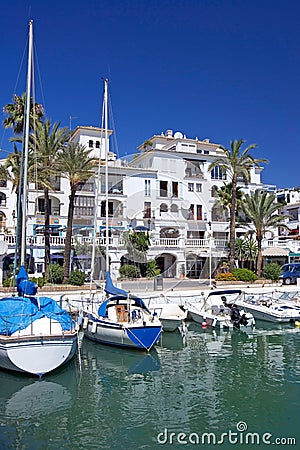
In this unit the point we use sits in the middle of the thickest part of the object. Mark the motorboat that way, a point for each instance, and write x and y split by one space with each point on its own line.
219 310
171 315
268 308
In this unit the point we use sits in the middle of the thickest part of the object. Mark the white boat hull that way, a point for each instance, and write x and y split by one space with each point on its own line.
264 314
37 355
218 321
123 335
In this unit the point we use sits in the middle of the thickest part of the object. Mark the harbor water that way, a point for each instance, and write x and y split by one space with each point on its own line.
207 390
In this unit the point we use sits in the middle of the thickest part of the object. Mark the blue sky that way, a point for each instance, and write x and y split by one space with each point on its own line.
209 68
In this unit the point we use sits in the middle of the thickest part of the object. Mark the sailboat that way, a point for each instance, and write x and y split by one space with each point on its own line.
121 319
36 335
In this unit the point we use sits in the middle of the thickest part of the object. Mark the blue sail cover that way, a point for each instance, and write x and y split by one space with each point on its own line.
111 289
24 285
16 313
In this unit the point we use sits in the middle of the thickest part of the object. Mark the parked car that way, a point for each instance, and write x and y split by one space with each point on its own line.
290 273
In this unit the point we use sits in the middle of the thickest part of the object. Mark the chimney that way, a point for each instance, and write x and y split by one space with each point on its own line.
169 133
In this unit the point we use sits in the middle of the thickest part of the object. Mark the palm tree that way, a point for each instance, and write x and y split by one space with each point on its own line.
261 211
76 164
15 113
45 142
236 163
224 196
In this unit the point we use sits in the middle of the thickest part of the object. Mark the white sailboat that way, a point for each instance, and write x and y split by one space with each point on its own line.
121 319
36 335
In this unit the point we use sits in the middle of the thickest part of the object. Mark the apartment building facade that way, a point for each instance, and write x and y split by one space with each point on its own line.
166 188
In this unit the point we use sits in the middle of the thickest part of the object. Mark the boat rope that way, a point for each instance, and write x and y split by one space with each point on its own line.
153 342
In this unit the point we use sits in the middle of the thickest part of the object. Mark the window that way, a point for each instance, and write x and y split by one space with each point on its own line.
199 212
163 188
147 210
2 199
97 144
3 183
147 188
198 187
174 188
91 143
191 212
163 208
191 187
174 209
83 206
214 191
110 209
218 174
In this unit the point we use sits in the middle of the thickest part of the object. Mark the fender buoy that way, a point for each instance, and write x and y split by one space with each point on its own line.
297 323
204 324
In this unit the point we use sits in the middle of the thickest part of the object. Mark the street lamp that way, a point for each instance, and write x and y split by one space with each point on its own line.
210 256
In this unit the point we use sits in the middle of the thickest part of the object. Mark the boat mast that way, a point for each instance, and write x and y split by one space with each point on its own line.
106 173
26 144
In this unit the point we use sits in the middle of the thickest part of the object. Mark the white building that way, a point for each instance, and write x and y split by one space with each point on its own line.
166 189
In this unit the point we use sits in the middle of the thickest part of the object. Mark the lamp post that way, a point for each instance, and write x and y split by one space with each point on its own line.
210 256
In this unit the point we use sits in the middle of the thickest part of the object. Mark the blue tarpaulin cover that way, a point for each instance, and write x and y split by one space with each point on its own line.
16 313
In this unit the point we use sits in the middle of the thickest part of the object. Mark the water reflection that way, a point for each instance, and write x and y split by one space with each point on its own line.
25 397
122 399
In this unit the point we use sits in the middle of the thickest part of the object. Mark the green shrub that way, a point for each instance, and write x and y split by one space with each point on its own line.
77 277
130 271
55 274
9 282
244 275
272 271
152 269
40 281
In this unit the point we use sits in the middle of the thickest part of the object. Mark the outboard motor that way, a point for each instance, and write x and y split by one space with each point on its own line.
235 316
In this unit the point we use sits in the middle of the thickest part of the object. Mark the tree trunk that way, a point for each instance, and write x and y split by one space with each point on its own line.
232 225
259 257
68 242
47 230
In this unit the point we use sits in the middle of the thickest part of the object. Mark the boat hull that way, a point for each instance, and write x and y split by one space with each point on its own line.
270 317
131 336
217 321
37 355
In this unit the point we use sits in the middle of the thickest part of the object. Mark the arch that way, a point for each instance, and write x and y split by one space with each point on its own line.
174 209
163 208
214 191
2 199
2 221
167 264
218 213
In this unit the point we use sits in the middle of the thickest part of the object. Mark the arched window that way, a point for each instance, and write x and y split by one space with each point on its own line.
174 209
2 221
91 143
2 199
163 208
97 144
214 191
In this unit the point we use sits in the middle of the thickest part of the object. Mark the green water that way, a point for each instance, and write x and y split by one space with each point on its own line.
119 399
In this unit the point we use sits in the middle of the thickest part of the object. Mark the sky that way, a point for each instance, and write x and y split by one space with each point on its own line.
217 69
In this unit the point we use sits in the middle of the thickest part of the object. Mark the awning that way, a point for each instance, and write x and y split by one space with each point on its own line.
294 254
275 251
